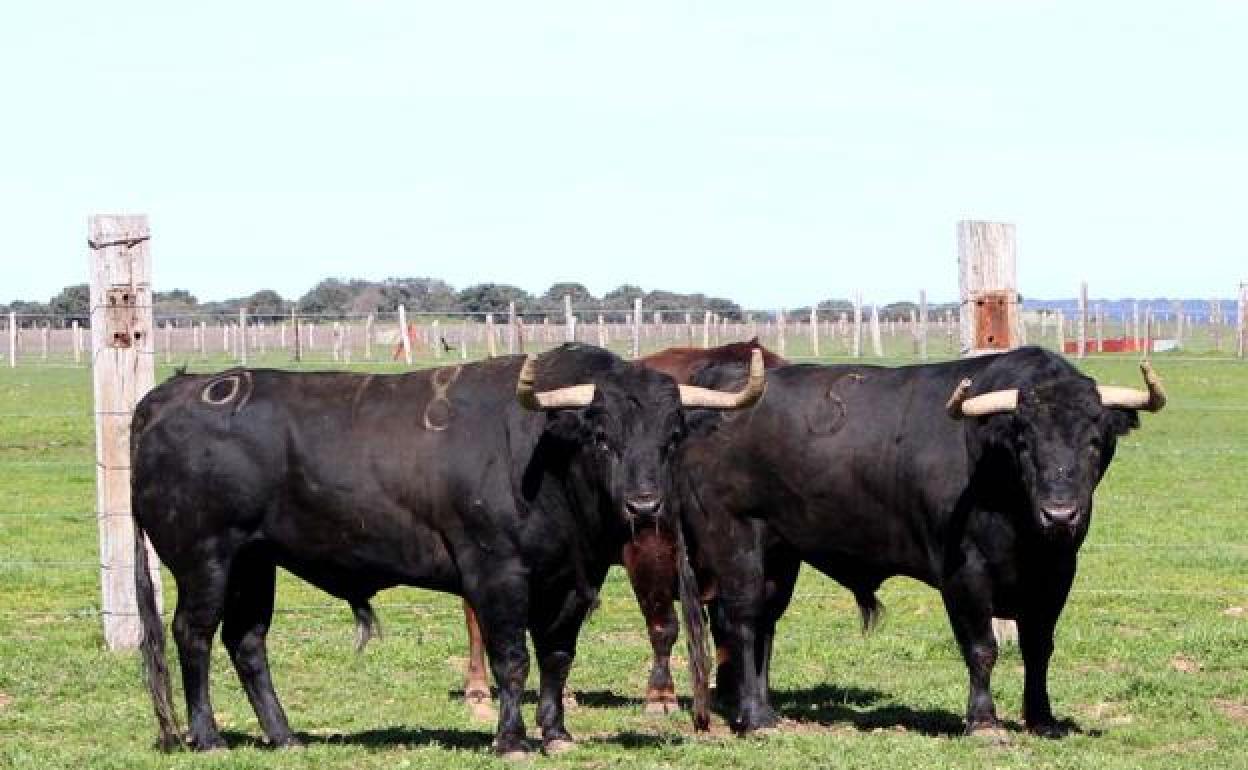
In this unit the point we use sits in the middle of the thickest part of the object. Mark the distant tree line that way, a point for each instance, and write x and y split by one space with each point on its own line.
337 298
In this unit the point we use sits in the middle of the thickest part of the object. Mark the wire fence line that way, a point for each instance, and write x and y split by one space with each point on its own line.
363 338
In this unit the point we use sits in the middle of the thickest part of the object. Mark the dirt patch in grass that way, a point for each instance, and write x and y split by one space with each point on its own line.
1185 664
5 700
1236 710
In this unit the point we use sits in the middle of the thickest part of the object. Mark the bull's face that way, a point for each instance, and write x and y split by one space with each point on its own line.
626 426
629 434
1063 439
1061 435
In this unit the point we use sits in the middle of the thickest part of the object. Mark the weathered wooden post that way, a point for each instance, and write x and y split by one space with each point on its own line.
856 337
1081 341
242 335
877 345
463 338
1100 328
511 327
706 328
637 327
1061 331
368 336
569 320
122 372
814 332
1135 324
335 343
12 339
405 338
1241 325
43 340
922 324
987 271
491 340
77 335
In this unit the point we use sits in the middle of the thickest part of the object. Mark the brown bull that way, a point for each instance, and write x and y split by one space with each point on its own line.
649 558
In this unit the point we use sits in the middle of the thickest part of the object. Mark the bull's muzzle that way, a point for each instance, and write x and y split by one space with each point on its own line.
644 505
1059 514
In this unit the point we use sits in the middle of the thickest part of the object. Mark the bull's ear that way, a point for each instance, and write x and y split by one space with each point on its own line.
1122 421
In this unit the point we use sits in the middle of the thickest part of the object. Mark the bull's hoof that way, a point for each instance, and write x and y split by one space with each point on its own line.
287 742
662 706
992 733
212 742
1050 729
512 750
558 746
515 755
755 720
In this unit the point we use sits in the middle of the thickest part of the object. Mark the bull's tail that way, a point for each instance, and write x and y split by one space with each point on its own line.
695 636
367 624
871 610
152 646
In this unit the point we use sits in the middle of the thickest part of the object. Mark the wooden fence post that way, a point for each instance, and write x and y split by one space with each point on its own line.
511 328
814 332
988 283
781 329
923 324
242 335
122 371
1061 331
12 340
877 346
1241 325
368 336
1100 328
1081 346
569 320
637 327
77 342
856 337
405 338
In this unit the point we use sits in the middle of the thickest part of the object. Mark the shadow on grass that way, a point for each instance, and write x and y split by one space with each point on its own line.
862 709
380 738
599 699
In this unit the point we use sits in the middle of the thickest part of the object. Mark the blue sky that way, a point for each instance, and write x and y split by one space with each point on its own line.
777 153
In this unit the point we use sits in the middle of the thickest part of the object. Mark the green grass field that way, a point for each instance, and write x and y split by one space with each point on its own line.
1151 663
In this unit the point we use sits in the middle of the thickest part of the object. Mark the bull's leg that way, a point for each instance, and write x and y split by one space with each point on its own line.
502 610
968 600
476 687
726 675
741 617
555 646
201 599
781 571
650 560
1035 636
248 612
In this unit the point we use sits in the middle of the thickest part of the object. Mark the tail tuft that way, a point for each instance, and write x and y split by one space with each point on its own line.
367 625
871 610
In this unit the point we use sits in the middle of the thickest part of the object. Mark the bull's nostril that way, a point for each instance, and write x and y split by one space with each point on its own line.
644 505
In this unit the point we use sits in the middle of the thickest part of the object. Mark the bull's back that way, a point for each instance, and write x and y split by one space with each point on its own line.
342 476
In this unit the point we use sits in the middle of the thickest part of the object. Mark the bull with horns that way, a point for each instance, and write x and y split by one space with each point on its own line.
470 479
974 476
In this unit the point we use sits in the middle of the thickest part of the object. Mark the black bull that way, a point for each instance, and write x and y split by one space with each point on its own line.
870 472
438 479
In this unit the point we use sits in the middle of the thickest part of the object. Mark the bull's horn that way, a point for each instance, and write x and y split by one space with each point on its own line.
571 397
982 405
691 396
1130 398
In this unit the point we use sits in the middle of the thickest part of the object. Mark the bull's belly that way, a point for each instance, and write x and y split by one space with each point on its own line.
355 562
